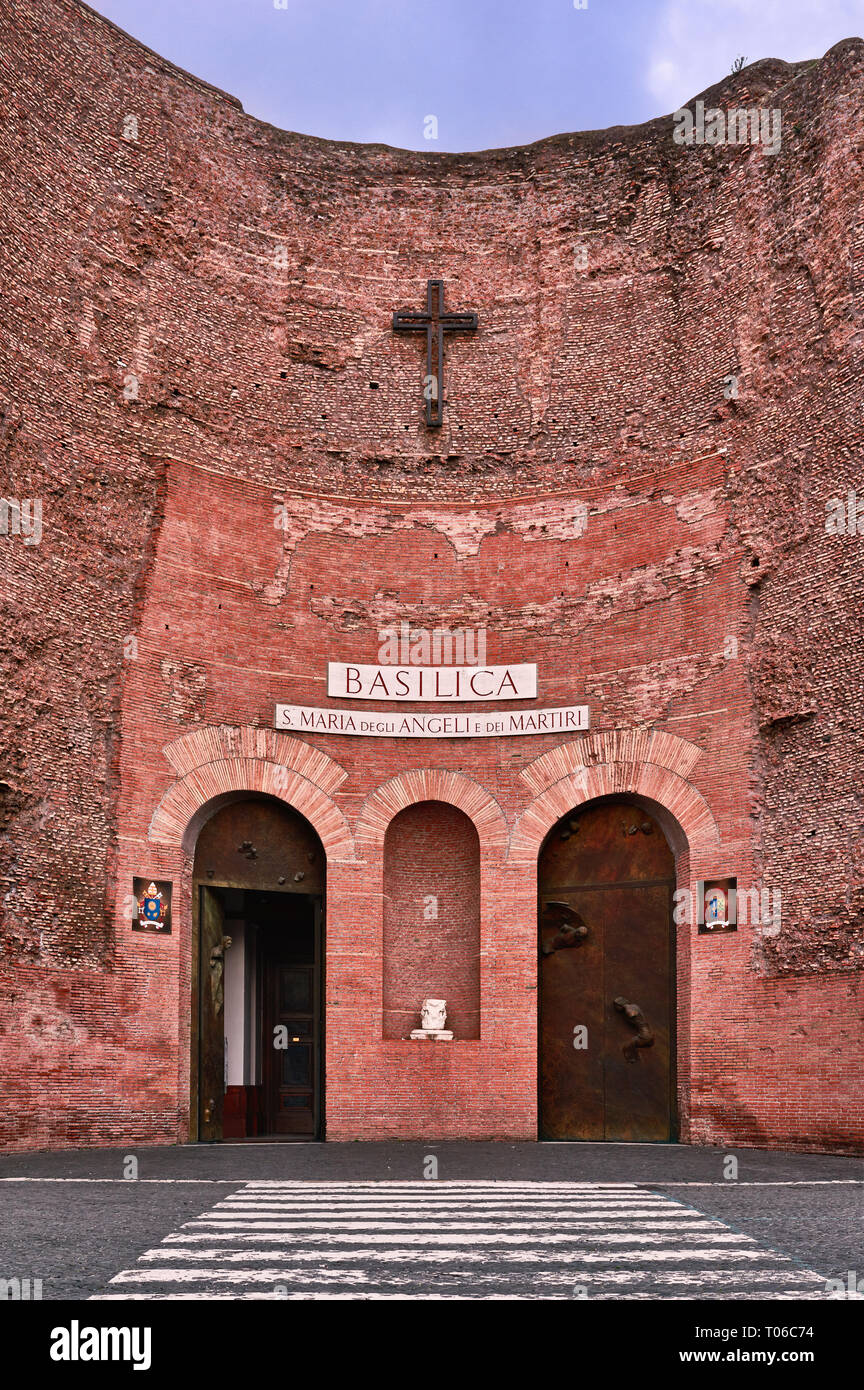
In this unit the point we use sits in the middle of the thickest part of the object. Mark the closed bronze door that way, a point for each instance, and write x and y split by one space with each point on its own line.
606 877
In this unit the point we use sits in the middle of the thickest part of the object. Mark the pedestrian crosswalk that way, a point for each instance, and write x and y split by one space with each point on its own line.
459 1240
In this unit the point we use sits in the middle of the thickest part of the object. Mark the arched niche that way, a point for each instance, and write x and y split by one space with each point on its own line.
431 918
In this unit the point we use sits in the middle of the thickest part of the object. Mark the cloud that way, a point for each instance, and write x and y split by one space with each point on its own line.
696 41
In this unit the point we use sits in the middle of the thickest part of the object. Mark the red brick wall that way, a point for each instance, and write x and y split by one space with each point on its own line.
431 918
162 599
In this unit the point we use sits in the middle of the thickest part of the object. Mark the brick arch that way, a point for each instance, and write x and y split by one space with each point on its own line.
614 746
669 790
183 809
432 784
212 742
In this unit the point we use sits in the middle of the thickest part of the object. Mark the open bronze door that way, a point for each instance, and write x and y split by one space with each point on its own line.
607 999
211 1015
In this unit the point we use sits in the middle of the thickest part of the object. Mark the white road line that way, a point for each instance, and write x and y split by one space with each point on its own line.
446 1199
266 1237
767 1182
575 1224
789 1296
274 1274
613 1208
416 1187
443 1192
132 1182
565 1278
405 1255
479 1209
470 1222
741 1278
435 1199
708 1239
474 1238
640 1199
300 1183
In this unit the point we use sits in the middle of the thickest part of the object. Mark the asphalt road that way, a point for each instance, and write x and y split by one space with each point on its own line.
662 1221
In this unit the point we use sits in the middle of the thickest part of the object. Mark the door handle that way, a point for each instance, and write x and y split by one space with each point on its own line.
636 1019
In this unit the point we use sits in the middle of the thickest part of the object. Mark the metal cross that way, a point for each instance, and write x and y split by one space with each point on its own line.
435 322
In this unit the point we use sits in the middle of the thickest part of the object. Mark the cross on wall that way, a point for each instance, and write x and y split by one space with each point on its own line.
434 321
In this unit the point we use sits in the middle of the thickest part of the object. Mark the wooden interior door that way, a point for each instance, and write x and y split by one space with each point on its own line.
211 1015
292 989
606 878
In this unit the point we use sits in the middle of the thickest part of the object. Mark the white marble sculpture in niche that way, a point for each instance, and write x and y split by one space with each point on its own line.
433 1016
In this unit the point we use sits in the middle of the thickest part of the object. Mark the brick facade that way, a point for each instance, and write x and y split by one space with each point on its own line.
199 379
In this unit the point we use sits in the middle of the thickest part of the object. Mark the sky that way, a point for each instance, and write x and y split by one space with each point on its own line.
490 72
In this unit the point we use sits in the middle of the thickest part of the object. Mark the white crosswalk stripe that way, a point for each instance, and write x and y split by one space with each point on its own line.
459 1240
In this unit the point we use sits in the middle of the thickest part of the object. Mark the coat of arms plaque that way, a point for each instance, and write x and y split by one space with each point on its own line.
152 906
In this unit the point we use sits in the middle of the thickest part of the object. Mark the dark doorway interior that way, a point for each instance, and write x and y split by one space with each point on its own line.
259 1024
257 976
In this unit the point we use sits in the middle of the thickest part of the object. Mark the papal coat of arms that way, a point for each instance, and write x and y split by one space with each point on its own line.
719 906
153 903
715 908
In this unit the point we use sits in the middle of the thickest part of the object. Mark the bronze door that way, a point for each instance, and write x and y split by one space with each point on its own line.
211 1015
606 998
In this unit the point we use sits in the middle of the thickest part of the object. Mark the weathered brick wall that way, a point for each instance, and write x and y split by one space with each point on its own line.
195 331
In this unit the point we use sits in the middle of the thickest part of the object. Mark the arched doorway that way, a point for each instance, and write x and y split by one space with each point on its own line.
606 875
257 973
